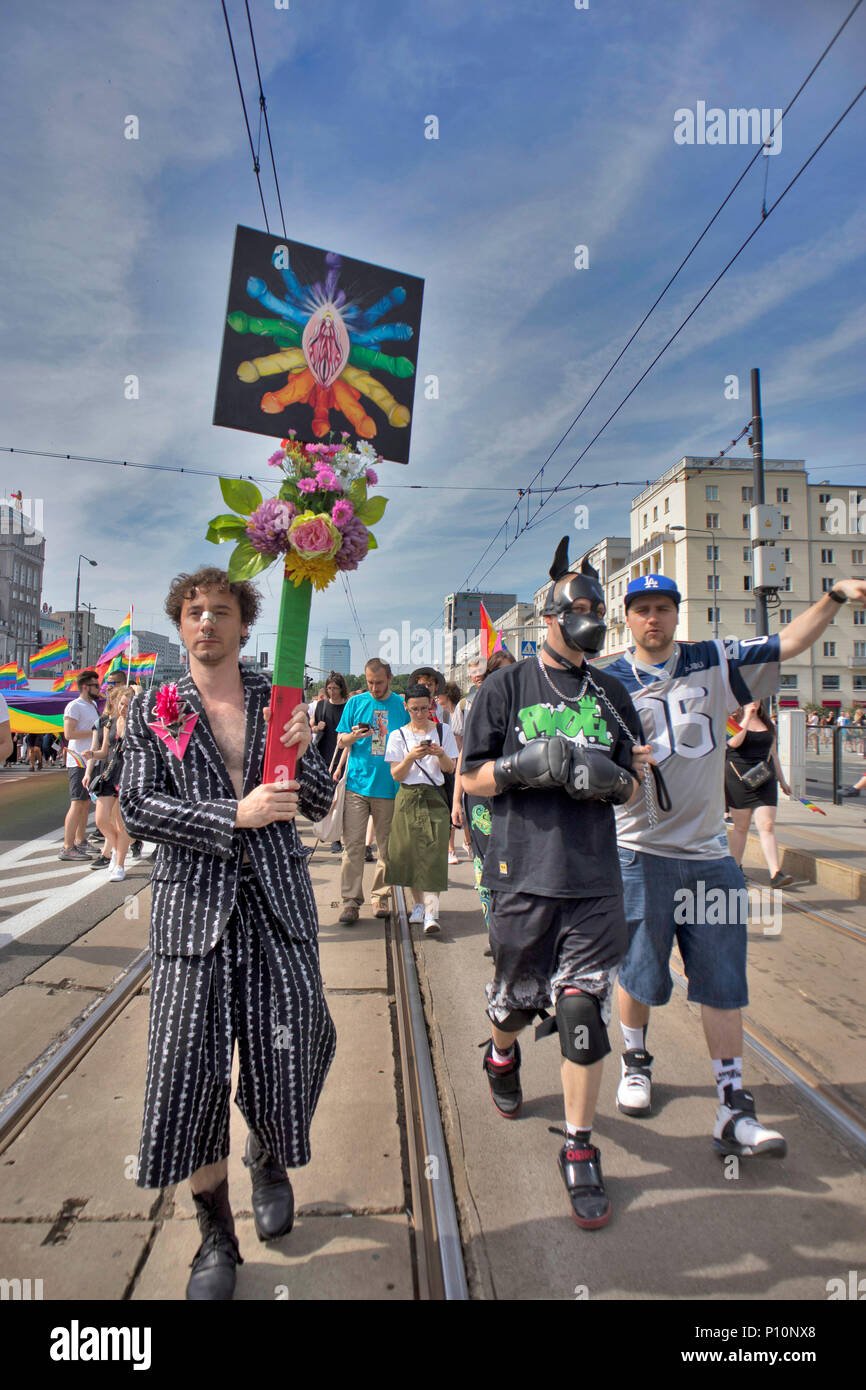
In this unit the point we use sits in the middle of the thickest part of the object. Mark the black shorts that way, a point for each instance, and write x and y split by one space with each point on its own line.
542 946
76 790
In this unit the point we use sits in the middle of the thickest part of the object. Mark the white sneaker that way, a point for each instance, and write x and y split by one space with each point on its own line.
635 1090
416 916
117 874
112 863
739 1131
430 926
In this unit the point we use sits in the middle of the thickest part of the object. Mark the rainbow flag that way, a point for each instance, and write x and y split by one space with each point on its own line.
732 727
8 673
120 642
811 805
50 655
20 679
67 680
143 663
488 634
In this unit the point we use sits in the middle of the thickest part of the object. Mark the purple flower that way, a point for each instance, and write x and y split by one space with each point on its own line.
327 479
356 543
277 459
307 485
342 512
268 526
372 476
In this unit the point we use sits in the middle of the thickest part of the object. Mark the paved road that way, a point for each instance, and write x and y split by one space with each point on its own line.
31 805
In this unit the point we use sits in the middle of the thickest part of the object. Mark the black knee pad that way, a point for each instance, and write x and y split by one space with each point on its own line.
517 1019
582 1035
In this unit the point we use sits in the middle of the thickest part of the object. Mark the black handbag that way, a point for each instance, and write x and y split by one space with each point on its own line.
756 776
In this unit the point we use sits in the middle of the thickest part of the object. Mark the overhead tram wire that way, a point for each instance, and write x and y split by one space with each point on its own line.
539 471
677 332
263 108
256 165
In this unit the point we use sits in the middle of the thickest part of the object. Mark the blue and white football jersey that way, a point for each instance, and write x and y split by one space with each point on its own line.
683 708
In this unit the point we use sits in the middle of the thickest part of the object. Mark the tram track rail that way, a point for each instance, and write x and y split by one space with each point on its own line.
827 919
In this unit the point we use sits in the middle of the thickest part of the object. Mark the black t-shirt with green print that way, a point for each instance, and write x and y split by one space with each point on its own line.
545 842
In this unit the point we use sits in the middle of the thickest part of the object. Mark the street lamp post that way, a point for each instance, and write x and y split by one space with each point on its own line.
704 531
75 634
259 637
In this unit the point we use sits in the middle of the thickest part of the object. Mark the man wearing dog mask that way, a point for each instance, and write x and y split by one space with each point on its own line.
556 746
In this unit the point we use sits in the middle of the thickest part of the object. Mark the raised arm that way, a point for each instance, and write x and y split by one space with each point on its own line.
807 627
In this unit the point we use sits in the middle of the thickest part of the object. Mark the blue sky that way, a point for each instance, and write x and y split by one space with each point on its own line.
555 129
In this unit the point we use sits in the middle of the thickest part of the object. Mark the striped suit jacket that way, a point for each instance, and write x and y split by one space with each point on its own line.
188 806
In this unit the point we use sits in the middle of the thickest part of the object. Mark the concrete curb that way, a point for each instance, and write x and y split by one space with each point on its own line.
829 873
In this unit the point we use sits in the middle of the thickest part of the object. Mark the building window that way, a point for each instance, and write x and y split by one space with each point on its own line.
786 554
745 521
860 682
787 681
787 583
829 648
713 581
749 616
644 521
856 557
786 523
747 581
667 504
785 616
712 521
712 552
712 492
782 494
860 650
822 523
860 617
747 494
712 615
826 585
830 682
823 497
747 554
826 557
655 513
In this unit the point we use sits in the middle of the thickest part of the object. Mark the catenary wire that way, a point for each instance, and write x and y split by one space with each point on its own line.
256 165
263 109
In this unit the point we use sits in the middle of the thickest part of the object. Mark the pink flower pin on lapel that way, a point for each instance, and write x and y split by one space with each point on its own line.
175 721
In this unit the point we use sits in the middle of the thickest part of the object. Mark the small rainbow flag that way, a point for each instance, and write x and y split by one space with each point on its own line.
8 673
811 805
143 663
118 643
20 679
67 680
732 727
488 634
50 655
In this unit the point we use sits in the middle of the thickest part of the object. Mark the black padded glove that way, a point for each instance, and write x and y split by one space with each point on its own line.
543 763
596 777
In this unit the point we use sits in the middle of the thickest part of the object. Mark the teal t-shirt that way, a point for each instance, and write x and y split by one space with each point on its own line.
368 774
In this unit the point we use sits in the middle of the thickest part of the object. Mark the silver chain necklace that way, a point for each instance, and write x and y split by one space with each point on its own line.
648 789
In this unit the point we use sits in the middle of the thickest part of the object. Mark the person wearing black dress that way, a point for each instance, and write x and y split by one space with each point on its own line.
325 718
753 745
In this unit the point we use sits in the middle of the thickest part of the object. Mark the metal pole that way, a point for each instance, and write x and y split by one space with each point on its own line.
837 765
715 591
762 626
76 645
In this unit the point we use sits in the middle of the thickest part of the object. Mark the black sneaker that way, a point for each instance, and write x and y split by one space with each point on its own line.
135 849
96 837
780 880
581 1173
369 856
101 862
504 1079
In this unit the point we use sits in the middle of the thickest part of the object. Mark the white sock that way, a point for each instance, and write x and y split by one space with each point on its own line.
635 1038
501 1058
728 1071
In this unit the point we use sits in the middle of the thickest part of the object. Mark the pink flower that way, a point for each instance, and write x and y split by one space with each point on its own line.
315 535
277 459
372 476
307 485
342 512
327 479
166 705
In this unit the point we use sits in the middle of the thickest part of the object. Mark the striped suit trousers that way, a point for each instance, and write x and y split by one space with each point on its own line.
263 989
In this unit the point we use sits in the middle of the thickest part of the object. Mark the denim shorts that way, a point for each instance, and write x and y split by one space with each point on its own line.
701 903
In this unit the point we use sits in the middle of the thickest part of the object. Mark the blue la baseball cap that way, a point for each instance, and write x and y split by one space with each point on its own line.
652 584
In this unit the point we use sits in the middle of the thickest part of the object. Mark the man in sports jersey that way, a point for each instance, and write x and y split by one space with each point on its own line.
671 862
552 743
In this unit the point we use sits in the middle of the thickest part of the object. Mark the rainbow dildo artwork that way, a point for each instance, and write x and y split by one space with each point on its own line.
325 371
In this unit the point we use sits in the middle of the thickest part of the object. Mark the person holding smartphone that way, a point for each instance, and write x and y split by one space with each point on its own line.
365 724
420 754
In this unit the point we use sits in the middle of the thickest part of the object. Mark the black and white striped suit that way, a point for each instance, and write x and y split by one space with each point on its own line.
234 947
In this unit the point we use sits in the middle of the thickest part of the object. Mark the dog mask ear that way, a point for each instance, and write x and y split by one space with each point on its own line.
586 568
560 560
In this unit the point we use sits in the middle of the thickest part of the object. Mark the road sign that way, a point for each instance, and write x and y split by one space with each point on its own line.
527 649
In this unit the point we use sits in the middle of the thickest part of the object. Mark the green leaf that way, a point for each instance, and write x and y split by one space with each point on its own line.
226 528
246 562
371 511
374 544
288 492
357 493
240 496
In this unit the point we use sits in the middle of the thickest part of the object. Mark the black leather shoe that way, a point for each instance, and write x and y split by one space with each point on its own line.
214 1266
273 1198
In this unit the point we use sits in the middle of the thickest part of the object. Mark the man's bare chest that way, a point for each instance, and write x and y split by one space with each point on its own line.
228 723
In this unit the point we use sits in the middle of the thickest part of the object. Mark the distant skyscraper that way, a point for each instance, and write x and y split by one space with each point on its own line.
335 654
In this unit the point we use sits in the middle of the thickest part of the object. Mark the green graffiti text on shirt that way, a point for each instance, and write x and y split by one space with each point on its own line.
542 721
